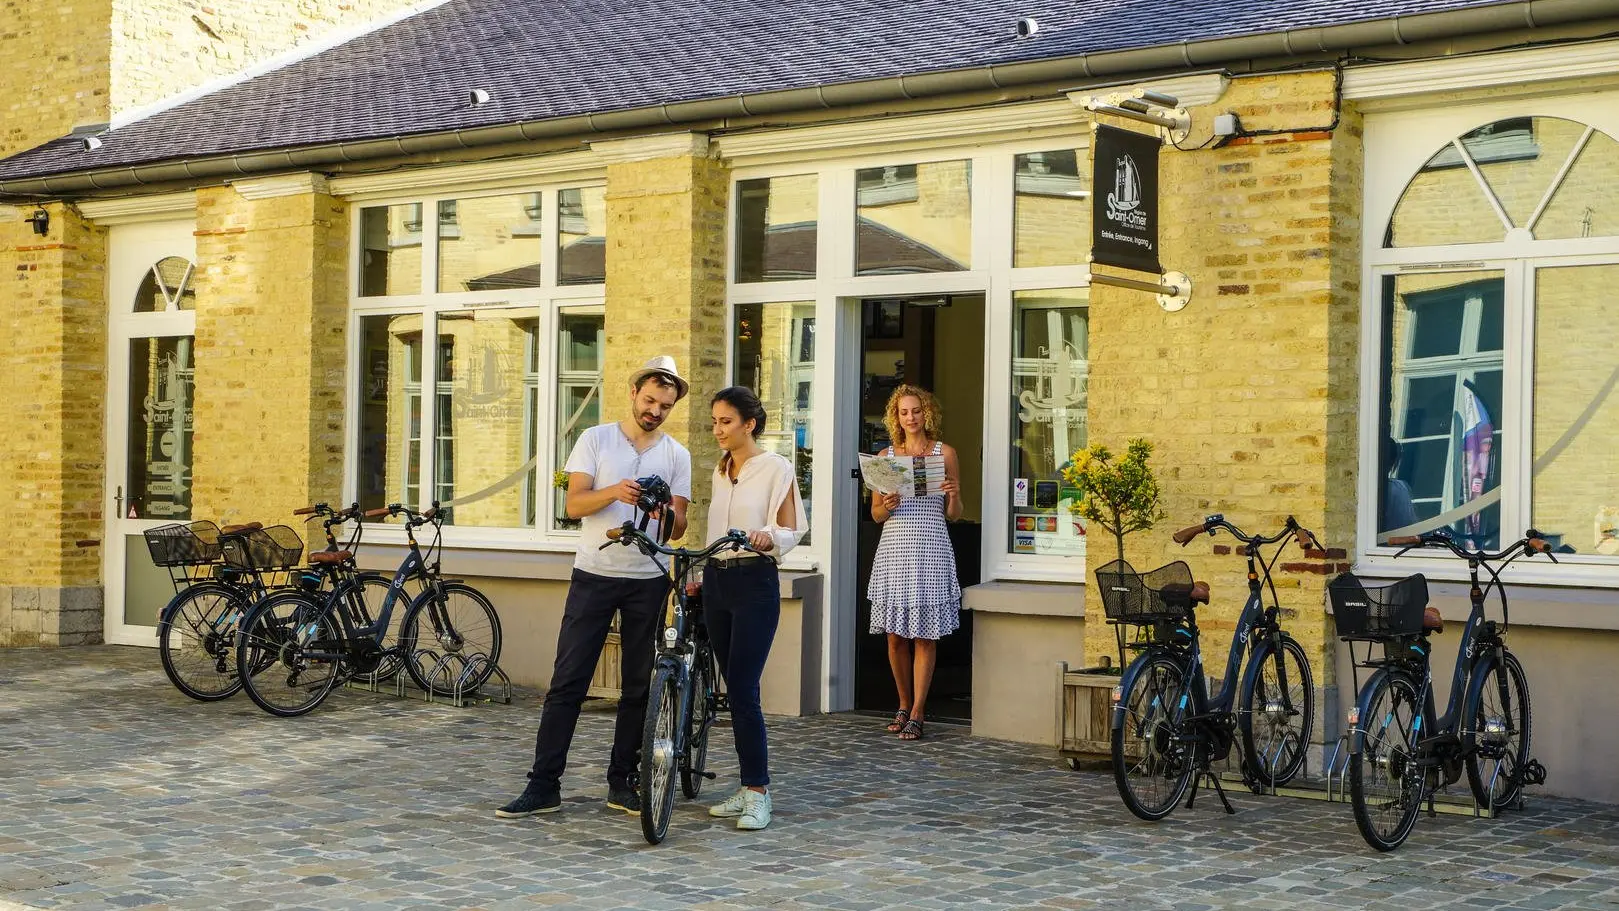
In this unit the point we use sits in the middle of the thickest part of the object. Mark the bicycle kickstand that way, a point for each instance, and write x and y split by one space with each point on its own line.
1218 790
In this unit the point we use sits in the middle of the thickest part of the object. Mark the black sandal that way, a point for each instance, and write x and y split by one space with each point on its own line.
912 730
900 718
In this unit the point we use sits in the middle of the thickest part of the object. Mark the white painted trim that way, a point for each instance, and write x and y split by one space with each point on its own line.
647 148
572 168
1503 68
135 209
308 49
973 127
301 183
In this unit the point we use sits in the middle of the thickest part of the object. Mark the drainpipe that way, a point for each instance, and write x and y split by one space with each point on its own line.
1399 30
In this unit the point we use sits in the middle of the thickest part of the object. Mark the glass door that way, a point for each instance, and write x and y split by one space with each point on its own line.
151 379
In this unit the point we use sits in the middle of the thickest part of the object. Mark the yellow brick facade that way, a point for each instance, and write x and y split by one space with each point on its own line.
1250 393
272 305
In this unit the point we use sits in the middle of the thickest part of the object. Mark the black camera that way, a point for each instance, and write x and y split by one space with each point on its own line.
654 493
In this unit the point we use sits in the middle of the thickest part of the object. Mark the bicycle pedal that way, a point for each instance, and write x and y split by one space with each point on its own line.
709 775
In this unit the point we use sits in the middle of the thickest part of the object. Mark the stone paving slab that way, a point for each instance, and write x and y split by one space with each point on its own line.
118 792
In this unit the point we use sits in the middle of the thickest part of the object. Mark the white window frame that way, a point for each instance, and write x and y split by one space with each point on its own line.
549 299
836 289
1398 143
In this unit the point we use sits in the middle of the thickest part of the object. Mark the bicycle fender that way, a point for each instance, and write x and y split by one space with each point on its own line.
1357 731
1126 682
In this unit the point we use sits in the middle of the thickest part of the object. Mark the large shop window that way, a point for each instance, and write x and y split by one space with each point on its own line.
1051 210
473 385
776 228
1498 407
1050 367
914 218
775 357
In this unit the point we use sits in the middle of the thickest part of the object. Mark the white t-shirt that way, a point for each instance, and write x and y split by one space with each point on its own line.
608 456
765 482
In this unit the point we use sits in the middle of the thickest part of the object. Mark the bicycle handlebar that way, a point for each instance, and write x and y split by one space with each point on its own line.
627 534
412 517
1532 542
1305 537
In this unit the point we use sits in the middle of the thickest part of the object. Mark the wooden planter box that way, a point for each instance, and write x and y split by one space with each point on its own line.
1085 711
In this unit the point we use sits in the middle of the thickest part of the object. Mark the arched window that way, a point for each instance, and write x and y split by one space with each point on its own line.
167 287
1496 399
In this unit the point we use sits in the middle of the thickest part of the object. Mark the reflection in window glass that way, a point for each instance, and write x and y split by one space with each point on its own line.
485 244
775 357
390 407
1050 369
776 229
1587 202
1051 210
391 250
914 218
1444 204
1441 451
167 286
1575 491
162 380
580 338
582 236
486 440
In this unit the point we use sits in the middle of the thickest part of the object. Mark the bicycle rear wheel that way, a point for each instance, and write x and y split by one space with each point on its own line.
1277 712
458 634
665 715
699 721
1152 763
1385 779
195 635
1496 737
289 654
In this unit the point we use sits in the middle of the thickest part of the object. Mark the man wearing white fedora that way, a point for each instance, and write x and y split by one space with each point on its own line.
602 491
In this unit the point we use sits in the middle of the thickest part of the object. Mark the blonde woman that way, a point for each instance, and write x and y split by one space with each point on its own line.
915 596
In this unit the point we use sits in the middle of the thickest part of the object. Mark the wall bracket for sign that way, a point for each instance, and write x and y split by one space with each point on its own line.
1174 289
1146 106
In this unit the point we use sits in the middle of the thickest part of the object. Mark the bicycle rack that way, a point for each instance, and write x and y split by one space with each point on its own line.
447 676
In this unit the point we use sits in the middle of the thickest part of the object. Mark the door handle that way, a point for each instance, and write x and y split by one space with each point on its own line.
118 503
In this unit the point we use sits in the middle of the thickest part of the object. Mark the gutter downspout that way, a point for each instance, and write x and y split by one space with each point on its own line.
1520 14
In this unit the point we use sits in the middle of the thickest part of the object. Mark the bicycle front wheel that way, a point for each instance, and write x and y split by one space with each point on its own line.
1277 714
1152 762
195 635
1496 738
289 654
1385 779
666 709
699 720
450 640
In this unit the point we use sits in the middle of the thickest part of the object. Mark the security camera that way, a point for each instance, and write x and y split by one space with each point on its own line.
91 143
1027 26
480 96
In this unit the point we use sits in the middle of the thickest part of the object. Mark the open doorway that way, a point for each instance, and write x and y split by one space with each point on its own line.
936 342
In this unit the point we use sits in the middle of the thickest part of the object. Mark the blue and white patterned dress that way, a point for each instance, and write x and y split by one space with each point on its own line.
913 590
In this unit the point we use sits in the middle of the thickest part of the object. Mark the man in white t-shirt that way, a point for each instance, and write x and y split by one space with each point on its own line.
602 490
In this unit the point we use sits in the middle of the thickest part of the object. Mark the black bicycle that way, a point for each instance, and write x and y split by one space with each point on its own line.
1400 751
684 699
1166 728
296 646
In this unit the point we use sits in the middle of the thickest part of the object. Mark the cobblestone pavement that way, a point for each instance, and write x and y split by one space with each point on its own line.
118 792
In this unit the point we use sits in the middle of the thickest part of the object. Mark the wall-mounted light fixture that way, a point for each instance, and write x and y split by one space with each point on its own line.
1145 106
41 220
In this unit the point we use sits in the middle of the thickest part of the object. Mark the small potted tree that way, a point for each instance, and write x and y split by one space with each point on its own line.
1120 496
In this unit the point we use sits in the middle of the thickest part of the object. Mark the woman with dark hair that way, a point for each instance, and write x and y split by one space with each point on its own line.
914 593
757 491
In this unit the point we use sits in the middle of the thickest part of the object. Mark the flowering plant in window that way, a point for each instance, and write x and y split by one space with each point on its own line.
1120 495
559 479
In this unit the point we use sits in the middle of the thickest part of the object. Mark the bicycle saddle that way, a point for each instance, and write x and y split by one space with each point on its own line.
1197 592
329 557
1432 622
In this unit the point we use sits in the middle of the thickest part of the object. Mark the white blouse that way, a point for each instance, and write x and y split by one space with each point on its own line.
752 502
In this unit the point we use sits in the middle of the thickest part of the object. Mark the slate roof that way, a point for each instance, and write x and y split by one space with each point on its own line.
544 59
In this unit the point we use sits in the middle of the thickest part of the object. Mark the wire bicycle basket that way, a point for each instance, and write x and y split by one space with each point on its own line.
262 550
1159 595
1378 612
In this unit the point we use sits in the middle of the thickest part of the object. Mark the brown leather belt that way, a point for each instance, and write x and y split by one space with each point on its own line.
736 562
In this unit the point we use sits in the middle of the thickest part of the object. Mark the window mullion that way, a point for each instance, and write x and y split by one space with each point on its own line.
1517 438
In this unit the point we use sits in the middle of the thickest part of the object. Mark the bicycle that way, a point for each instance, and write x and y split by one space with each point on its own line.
685 675
1400 751
1166 728
197 629
296 646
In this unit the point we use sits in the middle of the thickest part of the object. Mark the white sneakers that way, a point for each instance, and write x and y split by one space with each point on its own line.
749 808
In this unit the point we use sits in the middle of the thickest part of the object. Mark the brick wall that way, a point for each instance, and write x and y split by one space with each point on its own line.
51 456
1250 393
53 69
270 354
666 293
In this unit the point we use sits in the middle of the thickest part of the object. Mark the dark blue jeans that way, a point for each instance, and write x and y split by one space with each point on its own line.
592 600
744 607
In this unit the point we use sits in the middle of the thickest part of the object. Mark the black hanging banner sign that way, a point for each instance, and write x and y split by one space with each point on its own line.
1124 194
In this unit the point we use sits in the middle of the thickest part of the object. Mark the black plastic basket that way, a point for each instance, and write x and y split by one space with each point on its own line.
183 544
1378 611
1145 598
263 549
